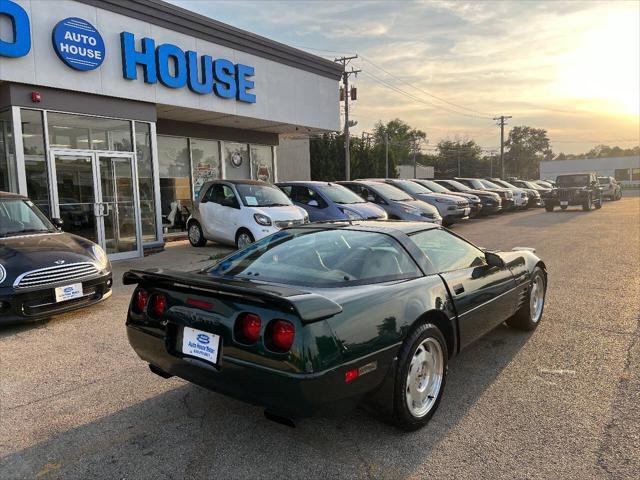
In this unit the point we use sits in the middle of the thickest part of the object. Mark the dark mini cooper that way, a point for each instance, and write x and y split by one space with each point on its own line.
44 271
317 318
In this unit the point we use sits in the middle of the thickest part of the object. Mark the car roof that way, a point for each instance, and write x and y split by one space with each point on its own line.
240 182
307 182
11 195
381 226
576 173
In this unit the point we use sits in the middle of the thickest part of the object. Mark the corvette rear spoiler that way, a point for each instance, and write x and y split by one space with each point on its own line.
310 307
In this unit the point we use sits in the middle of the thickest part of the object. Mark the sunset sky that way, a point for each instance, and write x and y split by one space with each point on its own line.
571 67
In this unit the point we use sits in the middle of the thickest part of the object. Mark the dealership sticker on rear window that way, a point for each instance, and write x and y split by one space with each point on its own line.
197 343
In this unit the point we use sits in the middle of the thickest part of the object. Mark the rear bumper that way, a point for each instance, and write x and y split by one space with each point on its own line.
295 395
33 305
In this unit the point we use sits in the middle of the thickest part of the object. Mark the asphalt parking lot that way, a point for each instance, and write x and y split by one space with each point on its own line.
563 402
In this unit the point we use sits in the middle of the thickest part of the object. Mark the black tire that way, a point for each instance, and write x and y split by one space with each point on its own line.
195 234
402 416
240 234
549 208
586 206
598 204
524 318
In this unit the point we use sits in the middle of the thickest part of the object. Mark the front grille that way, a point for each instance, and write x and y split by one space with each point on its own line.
57 274
567 194
463 204
288 223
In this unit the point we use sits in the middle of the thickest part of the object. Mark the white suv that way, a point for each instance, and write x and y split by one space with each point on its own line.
239 212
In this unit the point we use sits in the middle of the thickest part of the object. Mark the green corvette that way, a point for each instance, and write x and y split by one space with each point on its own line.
320 318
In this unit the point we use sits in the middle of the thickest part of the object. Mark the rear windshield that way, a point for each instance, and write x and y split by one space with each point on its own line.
320 258
340 194
573 181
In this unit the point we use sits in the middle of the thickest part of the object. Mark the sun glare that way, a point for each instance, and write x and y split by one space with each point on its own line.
605 65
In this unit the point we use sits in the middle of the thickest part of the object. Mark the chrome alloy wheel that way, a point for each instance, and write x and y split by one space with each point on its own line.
424 378
194 233
536 297
243 240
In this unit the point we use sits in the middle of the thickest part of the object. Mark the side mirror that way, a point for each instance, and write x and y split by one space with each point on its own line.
57 222
371 198
229 202
312 203
494 260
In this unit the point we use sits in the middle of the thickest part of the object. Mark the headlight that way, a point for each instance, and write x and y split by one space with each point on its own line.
351 215
101 257
262 219
444 200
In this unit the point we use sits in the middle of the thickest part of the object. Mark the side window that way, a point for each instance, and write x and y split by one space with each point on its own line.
287 190
446 251
216 193
207 196
313 195
227 192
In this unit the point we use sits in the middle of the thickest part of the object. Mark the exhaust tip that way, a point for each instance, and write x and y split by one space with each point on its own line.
158 371
274 417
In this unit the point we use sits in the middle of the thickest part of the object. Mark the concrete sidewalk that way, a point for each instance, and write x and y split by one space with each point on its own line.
176 256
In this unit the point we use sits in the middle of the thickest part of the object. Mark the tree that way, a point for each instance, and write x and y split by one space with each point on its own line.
459 158
526 147
601 151
404 142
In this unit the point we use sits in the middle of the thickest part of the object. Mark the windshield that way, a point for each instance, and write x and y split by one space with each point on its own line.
544 184
488 184
532 185
573 181
460 186
19 217
389 191
502 183
340 194
262 195
320 258
433 186
412 187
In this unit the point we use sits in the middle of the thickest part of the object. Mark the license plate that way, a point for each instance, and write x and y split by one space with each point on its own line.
467 211
564 202
199 344
69 292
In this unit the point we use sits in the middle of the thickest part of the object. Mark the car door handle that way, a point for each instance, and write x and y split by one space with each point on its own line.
458 289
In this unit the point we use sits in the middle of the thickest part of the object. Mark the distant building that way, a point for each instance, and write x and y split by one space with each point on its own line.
406 171
625 170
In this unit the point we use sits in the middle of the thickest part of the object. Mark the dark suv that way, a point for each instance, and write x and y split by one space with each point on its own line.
575 189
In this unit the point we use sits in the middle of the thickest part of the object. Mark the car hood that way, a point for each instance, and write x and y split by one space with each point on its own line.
420 205
277 214
437 196
31 252
466 196
365 210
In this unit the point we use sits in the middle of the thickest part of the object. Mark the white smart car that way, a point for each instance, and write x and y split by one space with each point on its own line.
239 212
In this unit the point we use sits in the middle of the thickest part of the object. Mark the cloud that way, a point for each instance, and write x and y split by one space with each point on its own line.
503 57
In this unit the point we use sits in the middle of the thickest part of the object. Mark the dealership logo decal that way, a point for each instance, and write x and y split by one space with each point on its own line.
78 44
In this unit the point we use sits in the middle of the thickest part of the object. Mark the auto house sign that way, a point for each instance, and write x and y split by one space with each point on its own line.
78 44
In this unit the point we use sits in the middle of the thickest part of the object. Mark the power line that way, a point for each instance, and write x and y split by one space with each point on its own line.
377 79
487 116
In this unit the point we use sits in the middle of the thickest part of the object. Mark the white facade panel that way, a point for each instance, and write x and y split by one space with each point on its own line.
284 94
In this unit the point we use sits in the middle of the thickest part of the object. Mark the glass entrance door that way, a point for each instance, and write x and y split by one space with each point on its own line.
96 199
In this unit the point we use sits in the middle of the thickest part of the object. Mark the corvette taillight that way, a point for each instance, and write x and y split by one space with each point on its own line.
248 328
280 335
158 305
140 300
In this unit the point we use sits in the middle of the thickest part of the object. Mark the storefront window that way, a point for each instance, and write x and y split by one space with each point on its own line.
236 158
35 160
262 163
89 133
635 174
8 177
205 159
175 184
145 181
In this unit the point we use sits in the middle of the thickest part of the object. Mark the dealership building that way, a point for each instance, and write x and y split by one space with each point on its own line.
114 113
626 170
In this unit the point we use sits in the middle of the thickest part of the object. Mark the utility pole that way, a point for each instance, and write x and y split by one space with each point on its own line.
345 82
458 152
501 122
386 154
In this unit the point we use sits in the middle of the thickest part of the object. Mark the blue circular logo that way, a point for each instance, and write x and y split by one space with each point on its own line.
78 44
202 338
